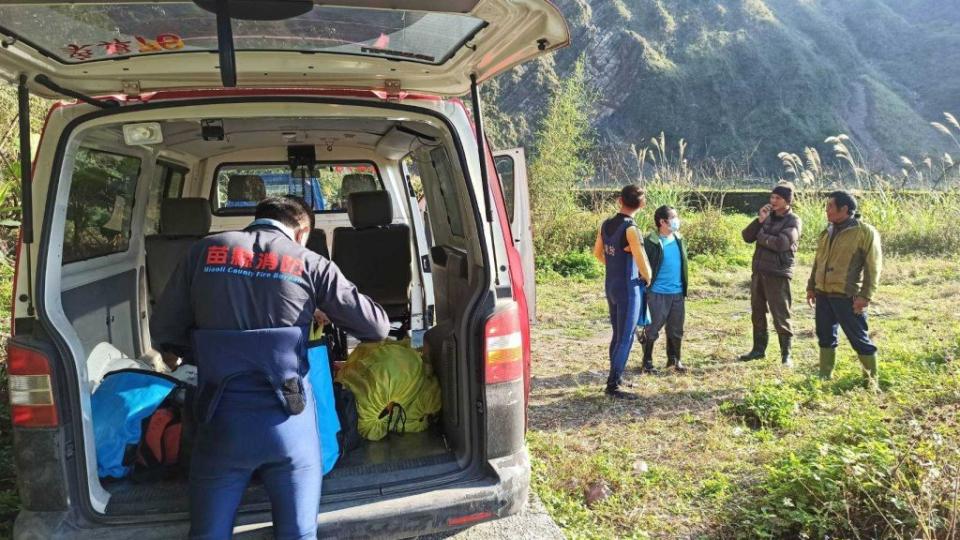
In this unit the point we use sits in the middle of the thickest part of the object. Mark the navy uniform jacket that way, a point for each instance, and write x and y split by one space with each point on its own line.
253 279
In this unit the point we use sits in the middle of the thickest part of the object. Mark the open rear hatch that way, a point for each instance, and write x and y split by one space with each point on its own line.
441 48
98 48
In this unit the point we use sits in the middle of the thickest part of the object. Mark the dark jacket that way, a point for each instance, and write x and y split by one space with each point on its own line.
777 240
654 249
254 279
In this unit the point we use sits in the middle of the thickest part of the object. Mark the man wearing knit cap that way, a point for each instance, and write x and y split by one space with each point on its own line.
844 279
776 232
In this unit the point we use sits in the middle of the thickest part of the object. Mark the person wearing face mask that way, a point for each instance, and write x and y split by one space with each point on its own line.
776 233
843 281
667 254
239 305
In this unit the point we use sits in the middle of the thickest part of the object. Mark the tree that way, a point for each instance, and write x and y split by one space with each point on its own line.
560 164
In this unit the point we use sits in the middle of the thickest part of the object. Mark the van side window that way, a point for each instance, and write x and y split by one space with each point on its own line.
100 206
167 184
441 163
505 169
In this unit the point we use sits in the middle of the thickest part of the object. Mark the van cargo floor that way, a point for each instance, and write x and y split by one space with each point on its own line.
397 459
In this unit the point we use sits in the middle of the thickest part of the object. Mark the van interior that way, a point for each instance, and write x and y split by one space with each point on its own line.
140 194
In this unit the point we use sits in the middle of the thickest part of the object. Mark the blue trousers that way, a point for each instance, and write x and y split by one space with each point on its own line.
251 432
833 312
624 313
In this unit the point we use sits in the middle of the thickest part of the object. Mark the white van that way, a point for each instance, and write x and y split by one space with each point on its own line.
184 115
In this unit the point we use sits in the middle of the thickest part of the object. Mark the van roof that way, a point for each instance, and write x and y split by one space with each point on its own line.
99 48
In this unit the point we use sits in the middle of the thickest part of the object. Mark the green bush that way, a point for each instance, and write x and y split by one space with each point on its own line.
573 264
711 232
766 406
927 224
578 263
909 223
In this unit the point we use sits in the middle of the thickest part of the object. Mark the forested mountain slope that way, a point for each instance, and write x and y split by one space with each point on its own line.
745 79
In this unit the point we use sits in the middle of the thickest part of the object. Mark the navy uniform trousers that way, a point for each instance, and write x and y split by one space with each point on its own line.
257 415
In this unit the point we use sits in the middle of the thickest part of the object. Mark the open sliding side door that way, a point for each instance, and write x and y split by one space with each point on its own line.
512 170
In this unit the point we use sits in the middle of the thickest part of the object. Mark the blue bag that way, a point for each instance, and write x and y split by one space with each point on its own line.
328 424
644 319
120 404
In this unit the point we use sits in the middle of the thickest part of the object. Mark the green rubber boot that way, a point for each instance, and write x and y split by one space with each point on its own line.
869 364
828 357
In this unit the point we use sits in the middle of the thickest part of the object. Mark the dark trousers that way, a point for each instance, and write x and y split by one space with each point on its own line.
623 318
771 293
837 312
250 432
665 310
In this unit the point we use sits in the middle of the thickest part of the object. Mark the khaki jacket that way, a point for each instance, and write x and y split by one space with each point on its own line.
848 262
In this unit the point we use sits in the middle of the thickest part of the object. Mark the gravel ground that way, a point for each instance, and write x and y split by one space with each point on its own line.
532 523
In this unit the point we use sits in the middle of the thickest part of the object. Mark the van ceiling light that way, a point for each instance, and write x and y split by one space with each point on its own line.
145 133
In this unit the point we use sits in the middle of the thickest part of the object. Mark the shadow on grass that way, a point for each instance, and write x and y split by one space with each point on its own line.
587 405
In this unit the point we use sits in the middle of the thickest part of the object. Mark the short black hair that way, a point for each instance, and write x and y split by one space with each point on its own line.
631 195
306 209
844 198
286 210
662 214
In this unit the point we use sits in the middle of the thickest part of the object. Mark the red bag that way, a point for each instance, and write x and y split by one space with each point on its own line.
160 443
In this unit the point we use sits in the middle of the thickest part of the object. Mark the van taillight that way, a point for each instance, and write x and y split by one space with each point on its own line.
503 346
31 391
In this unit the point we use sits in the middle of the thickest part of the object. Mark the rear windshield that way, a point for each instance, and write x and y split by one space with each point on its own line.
240 187
80 33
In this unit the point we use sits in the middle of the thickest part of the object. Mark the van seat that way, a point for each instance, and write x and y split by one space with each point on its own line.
357 183
245 191
317 243
182 222
375 253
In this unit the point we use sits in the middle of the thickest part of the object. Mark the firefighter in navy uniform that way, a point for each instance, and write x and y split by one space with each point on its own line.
239 305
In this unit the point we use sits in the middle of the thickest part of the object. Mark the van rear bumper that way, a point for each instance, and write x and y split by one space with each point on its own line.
437 510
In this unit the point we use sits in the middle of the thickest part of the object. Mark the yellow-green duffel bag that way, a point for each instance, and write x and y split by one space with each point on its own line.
395 389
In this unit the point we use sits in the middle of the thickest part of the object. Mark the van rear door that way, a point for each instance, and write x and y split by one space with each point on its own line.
512 170
97 48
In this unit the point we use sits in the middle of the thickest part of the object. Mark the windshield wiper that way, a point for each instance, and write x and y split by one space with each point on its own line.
400 54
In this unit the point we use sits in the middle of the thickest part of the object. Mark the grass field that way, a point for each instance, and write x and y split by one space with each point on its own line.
747 449
737 450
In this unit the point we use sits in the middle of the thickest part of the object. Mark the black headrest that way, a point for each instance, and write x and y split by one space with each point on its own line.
190 216
246 188
369 209
357 182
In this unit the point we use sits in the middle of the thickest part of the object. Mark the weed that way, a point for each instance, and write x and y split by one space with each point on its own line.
865 478
766 406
